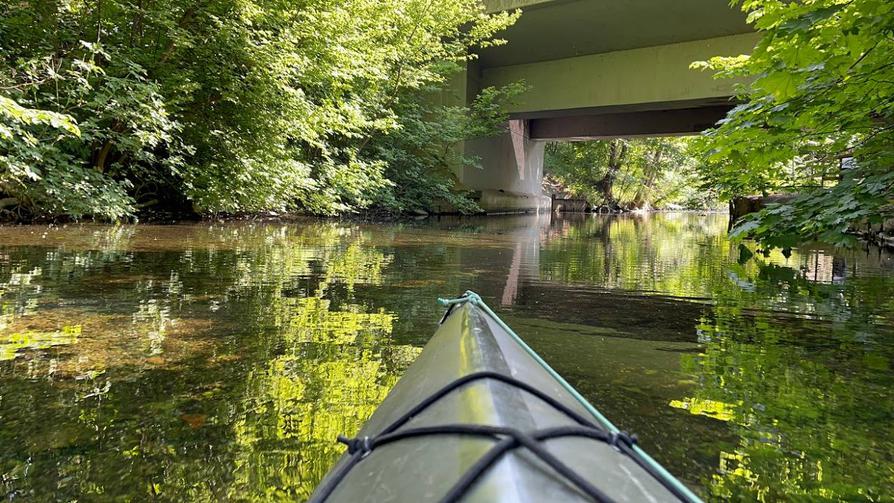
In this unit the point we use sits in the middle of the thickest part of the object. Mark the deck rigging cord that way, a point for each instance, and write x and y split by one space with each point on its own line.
652 466
508 439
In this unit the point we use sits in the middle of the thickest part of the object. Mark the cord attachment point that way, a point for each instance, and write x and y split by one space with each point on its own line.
618 438
362 445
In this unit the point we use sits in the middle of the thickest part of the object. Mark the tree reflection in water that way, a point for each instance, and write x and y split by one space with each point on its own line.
809 394
223 368
218 362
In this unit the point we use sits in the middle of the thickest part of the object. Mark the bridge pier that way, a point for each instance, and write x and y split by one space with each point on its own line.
509 171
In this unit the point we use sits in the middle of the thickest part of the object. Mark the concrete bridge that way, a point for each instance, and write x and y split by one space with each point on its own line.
596 69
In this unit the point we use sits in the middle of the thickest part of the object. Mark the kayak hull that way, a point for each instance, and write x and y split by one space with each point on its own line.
425 468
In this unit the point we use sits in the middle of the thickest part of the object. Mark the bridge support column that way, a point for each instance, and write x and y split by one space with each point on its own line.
510 170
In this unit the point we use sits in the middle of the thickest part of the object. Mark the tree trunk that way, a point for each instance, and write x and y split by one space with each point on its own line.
617 155
98 21
640 200
102 156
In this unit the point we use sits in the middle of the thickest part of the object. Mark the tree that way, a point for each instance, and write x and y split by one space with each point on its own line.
638 173
420 154
219 105
650 173
617 154
821 97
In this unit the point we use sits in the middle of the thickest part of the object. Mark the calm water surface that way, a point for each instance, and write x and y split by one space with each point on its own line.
219 361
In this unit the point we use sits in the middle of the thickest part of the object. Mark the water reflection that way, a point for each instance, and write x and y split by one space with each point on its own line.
221 365
807 392
219 361
330 373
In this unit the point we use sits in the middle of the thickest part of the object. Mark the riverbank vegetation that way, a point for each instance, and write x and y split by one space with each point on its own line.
630 174
111 108
817 119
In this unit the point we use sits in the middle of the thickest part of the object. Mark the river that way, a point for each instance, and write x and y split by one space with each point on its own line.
218 361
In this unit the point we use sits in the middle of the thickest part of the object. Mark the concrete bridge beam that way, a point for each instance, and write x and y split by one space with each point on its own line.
659 74
614 122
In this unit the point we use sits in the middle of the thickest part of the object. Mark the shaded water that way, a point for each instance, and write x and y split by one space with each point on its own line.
219 361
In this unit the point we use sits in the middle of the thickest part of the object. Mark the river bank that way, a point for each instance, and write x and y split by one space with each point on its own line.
881 235
878 235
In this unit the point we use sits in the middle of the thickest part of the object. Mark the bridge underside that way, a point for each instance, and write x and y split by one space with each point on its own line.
650 119
596 69
509 177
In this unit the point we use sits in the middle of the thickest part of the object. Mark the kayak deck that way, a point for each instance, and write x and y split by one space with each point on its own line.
473 375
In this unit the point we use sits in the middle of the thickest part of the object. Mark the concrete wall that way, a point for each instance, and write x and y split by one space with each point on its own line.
511 170
570 205
645 75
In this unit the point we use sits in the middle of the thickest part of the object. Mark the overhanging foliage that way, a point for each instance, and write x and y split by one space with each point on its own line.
821 98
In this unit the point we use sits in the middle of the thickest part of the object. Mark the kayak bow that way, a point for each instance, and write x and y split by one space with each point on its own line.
481 417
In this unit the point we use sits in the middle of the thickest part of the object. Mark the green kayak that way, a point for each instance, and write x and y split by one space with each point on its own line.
481 417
